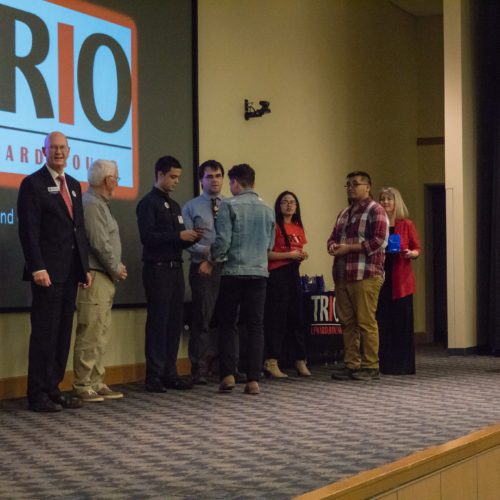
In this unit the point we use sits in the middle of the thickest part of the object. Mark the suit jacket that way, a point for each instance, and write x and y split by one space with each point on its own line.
49 236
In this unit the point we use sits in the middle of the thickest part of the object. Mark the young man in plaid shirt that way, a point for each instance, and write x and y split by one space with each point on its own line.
357 242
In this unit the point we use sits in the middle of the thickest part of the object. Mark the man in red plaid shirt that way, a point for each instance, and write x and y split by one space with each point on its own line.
358 244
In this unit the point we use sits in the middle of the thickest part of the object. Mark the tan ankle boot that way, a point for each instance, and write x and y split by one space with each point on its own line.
272 369
252 388
302 368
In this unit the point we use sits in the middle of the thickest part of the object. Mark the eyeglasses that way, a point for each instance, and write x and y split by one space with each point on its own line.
289 203
355 184
117 179
55 149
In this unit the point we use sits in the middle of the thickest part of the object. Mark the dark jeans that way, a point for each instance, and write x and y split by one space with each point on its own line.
249 294
283 313
204 290
51 323
164 289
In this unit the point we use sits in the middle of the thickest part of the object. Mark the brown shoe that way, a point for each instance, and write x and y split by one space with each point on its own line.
90 396
302 369
252 388
271 369
227 384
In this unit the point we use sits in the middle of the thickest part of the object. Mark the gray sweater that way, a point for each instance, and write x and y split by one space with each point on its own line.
103 234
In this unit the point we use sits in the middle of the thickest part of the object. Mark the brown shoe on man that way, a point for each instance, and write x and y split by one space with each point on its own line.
90 396
252 388
227 384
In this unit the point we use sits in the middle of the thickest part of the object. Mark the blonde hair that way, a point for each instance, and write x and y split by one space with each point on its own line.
400 209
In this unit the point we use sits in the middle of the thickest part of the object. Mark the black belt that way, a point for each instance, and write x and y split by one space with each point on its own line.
171 264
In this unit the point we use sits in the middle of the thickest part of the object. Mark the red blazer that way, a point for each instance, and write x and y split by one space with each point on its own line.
403 279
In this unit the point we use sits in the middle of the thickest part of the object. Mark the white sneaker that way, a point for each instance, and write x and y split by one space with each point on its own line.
107 393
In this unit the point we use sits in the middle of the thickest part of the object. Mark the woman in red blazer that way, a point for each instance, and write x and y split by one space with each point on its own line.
395 305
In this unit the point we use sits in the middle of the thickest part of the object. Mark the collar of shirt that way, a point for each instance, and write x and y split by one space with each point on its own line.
247 191
361 205
163 194
55 174
99 196
211 196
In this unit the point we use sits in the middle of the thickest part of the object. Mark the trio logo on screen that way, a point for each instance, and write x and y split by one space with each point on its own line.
70 66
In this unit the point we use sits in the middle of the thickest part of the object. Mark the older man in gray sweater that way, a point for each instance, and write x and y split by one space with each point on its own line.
94 304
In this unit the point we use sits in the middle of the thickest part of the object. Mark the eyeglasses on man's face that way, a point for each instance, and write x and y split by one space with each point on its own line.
290 203
55 149
355 184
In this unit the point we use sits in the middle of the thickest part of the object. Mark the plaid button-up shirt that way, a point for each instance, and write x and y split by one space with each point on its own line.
368 225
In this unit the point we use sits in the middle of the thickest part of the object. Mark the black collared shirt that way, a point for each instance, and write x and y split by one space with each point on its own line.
160 223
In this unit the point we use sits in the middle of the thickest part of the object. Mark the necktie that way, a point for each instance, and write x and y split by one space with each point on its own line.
215 207
64 193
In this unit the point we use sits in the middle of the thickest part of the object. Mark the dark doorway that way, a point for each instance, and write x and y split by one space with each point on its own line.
435 250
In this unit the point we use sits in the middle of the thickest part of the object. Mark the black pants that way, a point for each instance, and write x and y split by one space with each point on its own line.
164 289
249 295
51 323
204 290
283 313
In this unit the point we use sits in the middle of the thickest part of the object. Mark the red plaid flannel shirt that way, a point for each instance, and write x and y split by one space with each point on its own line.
367 224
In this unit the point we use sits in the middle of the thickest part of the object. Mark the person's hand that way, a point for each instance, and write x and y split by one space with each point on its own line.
88 283
189 235
123 274
205 268
42 278
200 231
337 249
297 255
305 255
410 254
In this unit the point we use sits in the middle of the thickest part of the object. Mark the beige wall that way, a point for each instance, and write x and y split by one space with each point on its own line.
352 84
126 344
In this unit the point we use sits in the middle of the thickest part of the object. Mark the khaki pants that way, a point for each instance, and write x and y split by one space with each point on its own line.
356 304
93 307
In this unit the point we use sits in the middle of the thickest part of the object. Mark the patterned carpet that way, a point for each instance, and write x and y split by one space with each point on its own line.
296 436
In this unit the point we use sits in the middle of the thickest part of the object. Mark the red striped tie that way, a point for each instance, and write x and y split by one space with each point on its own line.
64 193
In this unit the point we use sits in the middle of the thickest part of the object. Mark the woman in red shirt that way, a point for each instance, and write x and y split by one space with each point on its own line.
395 305
282 317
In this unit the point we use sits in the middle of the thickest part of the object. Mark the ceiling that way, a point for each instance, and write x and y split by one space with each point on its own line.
420 7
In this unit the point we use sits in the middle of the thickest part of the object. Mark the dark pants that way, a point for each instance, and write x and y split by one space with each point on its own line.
51 323
283 318
249 294
205 290
164 289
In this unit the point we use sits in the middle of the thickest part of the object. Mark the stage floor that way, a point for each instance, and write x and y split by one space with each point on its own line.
296 436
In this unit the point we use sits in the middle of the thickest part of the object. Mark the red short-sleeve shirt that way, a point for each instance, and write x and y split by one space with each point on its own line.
297 240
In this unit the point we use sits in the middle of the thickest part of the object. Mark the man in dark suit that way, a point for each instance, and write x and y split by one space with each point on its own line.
55 249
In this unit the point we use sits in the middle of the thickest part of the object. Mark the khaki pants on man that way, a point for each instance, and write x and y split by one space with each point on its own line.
356 305
92 332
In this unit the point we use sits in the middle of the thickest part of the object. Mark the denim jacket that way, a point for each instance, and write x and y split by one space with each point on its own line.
245 233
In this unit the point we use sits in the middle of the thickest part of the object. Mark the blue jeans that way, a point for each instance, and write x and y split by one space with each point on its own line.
248 295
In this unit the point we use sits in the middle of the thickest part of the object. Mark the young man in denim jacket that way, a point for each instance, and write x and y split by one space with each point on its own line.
245 233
